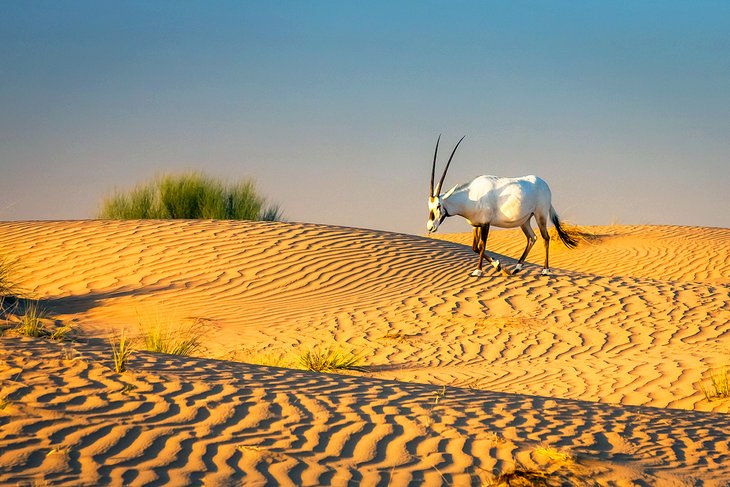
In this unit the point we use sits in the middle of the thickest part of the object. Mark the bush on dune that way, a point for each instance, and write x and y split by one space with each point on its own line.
190 195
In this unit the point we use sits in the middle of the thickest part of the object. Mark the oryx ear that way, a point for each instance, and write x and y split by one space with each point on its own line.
433 167
443 176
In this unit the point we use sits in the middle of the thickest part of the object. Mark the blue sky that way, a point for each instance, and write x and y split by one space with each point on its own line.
334 107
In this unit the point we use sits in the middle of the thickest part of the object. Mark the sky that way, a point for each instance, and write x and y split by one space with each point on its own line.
334 107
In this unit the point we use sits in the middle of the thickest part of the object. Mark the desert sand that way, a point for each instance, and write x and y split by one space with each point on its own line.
589 376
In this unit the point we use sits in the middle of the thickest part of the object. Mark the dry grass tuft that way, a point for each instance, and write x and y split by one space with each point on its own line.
176 339
122 348
31 322
271 359
330 359
34 322
4 402
718 385
554 455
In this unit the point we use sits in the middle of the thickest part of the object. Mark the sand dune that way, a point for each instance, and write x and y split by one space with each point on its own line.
601 359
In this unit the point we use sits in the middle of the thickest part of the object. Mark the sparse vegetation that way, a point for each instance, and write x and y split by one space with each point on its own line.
34 322
181 339
6 284
31 322
271 360
4 402
122 348
190 195
718 385
9 289
329 359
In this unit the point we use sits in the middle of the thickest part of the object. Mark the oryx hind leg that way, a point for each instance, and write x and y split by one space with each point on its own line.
531 239
542 225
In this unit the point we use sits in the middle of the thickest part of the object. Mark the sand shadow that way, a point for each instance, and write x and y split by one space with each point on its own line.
75 303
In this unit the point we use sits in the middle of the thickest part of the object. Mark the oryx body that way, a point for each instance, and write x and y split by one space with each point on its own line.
502 202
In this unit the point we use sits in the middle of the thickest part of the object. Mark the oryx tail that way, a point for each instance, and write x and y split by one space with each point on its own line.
568 240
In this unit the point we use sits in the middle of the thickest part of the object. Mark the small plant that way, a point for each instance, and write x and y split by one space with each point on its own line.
719 384
520 477
555 455
4 403
7 286
122 348
329 359
271 360
183 339
31 322
62 332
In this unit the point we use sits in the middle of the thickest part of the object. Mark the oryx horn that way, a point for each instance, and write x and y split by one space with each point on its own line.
443 176
433 167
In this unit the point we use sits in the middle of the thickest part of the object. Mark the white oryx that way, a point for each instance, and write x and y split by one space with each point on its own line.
502 202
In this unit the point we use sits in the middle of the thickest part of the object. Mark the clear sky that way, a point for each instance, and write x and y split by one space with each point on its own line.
334 106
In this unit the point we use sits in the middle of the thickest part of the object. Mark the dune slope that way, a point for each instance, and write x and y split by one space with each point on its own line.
601 359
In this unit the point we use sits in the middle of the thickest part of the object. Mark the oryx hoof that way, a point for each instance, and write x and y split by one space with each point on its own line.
496 265
477 273
518 268
546 272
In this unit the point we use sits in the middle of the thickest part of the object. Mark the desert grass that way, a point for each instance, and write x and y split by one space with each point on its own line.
164 336
9 289
330 359
6 284
271 359
31 321
718 385
191 195
122 347
34 322
4 401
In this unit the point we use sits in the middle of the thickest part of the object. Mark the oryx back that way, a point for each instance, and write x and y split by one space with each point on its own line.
504 202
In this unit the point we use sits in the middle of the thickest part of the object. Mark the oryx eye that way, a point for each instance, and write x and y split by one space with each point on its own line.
430 215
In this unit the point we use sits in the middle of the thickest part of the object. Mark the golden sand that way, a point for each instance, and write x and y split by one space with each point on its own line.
588 375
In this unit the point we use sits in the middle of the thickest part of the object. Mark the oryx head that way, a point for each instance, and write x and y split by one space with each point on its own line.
436 211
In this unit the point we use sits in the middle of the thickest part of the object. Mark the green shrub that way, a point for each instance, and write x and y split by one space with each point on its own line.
191 195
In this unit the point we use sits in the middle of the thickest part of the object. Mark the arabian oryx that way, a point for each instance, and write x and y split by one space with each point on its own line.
502 202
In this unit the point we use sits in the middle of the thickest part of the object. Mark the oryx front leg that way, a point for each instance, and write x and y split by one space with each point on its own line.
482 232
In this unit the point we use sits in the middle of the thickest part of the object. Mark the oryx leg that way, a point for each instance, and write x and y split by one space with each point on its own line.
483 232
531 239
475 242
542 225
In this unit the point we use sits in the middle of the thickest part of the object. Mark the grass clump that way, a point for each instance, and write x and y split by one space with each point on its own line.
183 339
330 359
7 287
191 195
122 347
34 322
718 385
31 322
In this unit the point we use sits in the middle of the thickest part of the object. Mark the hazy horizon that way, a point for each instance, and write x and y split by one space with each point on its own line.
334 107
